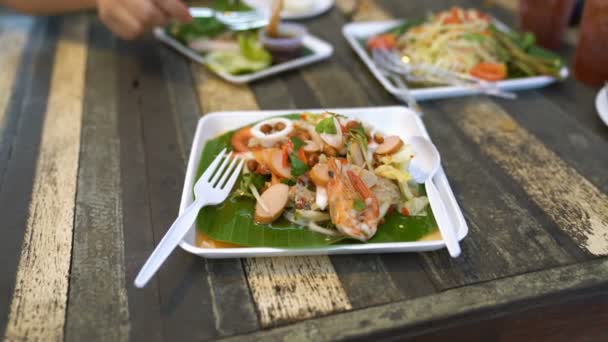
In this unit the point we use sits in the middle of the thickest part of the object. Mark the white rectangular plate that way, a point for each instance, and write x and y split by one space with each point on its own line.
390 120
320 50
354 32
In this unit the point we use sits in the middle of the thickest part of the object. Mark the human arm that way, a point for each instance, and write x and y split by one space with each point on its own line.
126 18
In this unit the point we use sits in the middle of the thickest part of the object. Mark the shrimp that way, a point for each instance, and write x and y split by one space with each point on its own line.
343 190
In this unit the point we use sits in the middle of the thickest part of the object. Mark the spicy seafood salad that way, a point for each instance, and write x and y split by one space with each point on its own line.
321 177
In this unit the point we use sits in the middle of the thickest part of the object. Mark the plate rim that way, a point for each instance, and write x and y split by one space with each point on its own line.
602 111
321 50
312 14
438 91
440 179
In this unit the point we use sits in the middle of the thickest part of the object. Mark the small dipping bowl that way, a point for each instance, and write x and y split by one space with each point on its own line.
289 43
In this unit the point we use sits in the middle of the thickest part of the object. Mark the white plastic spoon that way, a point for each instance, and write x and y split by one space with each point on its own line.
423 167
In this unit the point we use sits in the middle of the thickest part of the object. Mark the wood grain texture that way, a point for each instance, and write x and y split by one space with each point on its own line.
39 303
216 95
574 203
14 32
487 300
557 320
183 97
24 119
362 10
176 303
505 232
98 305
566 136
145 315
294 288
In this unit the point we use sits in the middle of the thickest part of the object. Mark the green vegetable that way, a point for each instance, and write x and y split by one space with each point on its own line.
248 179
473 36
297 143
251 58
230 5
232 221
297 166
526 59
288 181
199 27
326 126
359 204
252 49
405 26
233 63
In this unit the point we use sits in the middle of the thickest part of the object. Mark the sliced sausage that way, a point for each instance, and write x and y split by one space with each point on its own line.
275 199
390 145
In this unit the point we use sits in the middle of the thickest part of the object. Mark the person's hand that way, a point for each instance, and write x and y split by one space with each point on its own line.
131 18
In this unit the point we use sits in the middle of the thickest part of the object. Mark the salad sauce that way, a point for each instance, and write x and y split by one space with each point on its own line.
204 241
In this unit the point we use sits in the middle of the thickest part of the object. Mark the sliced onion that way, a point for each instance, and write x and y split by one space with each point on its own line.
321 197
316 228
312 215
258 198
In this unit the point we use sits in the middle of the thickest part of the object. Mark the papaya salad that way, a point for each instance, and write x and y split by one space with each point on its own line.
317 179
467 41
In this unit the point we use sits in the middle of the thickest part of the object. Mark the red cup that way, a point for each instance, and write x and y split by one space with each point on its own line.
591 58
547 19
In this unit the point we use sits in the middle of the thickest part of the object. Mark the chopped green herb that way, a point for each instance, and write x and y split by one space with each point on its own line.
473 36
289 181
248 179
359 204
297 143
297 166
358 134
326 126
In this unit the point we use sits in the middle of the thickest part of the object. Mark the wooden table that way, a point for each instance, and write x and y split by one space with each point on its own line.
94 137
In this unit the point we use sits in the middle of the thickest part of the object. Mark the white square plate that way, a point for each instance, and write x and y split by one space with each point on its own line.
390 120
320 50
354 32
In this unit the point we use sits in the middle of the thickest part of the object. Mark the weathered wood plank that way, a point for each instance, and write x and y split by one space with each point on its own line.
183 96
38 308
184 295
176 304
510 294
14 32
264 275
566 135
578 100
582 318
505 232
294 288
273 93
97 305
144 304
24 117
216 95
574 203
358 87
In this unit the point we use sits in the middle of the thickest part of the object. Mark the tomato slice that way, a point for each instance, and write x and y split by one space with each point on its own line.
454 16
240 139
489 71
383 41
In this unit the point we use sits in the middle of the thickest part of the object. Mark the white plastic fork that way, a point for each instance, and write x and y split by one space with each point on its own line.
236 20
391 62
212 188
